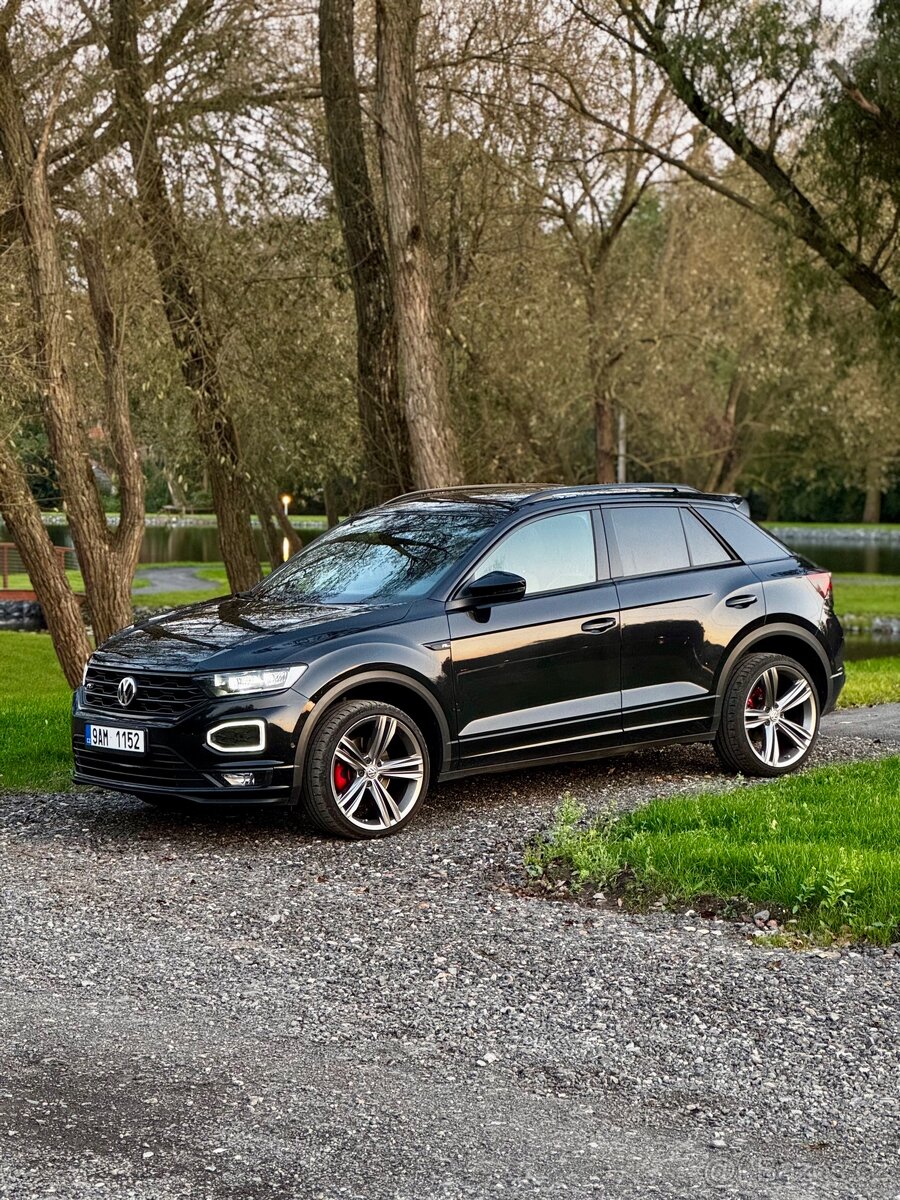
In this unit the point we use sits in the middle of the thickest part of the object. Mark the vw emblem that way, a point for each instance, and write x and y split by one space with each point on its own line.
126 690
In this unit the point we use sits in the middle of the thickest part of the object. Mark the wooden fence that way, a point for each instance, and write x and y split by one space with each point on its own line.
11 562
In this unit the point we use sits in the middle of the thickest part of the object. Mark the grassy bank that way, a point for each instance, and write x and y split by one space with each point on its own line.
34 707
821 849
871 681
34 715
865 596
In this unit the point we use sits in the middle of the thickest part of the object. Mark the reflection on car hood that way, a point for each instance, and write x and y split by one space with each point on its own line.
239 631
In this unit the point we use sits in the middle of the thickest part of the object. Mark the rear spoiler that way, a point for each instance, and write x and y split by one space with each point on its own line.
739 502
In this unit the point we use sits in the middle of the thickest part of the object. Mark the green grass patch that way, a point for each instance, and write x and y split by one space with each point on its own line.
822 849
35 750
871 681
878 596
176 599
19 581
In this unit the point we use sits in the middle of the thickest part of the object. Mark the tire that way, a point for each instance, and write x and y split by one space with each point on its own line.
761 738
343 791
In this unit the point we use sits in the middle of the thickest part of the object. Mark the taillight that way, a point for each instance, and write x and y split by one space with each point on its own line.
821 581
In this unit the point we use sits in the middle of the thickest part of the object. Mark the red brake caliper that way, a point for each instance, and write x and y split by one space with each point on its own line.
757 698
341 777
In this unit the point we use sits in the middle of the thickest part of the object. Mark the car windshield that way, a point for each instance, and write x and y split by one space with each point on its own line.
387 555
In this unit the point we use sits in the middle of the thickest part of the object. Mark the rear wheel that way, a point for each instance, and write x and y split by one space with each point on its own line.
770 716
367 770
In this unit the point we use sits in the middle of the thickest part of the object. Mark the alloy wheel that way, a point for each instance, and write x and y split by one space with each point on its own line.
781 716
377 772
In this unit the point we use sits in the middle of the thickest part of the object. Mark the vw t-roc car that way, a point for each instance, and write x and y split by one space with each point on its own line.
466 630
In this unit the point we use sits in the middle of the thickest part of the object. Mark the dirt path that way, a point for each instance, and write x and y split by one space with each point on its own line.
174 579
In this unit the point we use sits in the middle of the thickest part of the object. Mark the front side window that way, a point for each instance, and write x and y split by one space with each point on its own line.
387 555
650 538
550 553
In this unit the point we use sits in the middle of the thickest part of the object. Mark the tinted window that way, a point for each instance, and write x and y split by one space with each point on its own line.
649 538
549 553
747 540
390 554
705 548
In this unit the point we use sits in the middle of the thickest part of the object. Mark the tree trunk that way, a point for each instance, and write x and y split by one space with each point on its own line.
332 514
111 609
872 506
423 369
723 473
270 531
106 560
287 530
62 612
197 350
381 415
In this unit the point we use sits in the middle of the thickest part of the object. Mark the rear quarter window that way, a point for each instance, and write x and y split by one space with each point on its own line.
747 540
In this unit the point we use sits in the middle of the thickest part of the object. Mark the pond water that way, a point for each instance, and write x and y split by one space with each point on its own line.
852 559
170 543
200 543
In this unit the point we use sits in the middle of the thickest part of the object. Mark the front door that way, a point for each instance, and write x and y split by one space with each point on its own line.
539 677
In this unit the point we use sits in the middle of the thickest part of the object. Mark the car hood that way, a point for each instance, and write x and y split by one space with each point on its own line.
240 631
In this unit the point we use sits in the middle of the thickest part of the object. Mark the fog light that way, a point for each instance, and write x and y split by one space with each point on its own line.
238 737
239 778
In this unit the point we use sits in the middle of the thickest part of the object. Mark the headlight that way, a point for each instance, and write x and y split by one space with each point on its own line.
245 683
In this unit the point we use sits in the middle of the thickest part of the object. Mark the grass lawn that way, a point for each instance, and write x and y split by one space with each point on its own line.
867 596
34 715
174 599
871 681
821 849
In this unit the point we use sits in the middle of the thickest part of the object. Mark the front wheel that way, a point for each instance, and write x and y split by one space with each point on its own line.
770 717
367 770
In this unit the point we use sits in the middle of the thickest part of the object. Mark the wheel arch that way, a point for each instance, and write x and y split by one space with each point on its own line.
793 641
393 687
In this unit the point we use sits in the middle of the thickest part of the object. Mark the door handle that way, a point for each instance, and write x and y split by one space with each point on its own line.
743 601
599 625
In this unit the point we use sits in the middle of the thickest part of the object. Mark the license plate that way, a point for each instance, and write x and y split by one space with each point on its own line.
111 737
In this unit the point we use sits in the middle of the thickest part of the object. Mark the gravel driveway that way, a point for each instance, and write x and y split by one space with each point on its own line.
221 1007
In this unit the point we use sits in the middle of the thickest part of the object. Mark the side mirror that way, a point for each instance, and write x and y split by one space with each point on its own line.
497 587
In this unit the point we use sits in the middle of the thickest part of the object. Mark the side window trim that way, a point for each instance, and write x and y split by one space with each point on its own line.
474 568
615 561
602 548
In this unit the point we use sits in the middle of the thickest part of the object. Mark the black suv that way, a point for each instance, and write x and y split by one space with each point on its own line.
465 630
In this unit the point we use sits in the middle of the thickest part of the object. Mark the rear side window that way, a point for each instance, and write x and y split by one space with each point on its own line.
649 538
748 541
705 548
550 553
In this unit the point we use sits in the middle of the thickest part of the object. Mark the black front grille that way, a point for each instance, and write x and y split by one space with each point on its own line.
161 767
156 694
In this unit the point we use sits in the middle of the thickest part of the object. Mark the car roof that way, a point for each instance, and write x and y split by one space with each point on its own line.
513 496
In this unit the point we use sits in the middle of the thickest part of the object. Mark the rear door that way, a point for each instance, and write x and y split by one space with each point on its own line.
683 597
539 677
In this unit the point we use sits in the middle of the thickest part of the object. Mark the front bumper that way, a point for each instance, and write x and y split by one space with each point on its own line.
178 762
